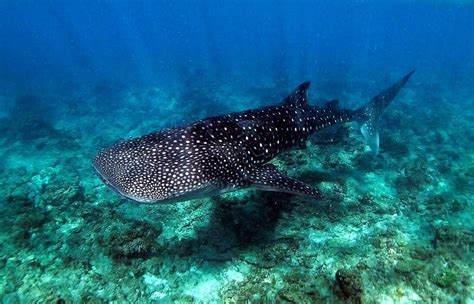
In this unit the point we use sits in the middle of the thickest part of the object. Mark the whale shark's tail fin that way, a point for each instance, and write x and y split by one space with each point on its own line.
369 114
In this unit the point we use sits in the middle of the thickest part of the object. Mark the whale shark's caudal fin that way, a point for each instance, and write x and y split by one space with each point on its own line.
368 115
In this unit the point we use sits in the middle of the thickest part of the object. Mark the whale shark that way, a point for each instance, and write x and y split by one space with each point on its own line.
231 152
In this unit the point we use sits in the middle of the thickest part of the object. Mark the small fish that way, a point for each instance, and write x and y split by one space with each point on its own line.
230 152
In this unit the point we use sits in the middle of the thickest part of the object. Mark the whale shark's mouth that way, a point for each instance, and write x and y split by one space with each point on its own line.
111 185
108 183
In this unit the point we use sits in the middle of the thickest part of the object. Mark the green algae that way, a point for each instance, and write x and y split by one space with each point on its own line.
445 278
408 266
350 285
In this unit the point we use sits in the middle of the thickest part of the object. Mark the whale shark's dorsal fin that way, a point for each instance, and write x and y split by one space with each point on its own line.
299 97
332 104
269 178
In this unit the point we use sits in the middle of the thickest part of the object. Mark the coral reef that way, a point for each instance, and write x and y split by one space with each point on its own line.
350 285
393 228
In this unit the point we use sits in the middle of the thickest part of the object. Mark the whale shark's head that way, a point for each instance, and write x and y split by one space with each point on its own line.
152 170
125 170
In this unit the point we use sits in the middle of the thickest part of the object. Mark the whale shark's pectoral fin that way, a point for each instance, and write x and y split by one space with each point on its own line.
269 178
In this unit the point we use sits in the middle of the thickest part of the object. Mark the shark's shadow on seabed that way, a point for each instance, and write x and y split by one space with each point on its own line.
236 224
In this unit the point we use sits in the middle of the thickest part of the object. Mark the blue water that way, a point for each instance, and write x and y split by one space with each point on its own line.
76 76
51 45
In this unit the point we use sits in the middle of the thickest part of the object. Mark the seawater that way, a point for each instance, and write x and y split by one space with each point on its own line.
393 228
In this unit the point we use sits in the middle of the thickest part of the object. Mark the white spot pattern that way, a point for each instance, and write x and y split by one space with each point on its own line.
225 152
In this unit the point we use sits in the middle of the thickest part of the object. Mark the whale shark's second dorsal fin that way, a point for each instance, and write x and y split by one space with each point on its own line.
332 105
299 97
269 178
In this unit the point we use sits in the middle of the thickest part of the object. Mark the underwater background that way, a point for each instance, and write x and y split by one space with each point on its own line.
76 76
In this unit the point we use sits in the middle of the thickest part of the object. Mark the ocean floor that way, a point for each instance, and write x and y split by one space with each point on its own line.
395 228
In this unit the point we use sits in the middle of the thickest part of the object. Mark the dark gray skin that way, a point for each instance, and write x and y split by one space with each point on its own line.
229 152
